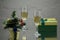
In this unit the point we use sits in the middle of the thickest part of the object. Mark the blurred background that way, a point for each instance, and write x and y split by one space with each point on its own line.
48 9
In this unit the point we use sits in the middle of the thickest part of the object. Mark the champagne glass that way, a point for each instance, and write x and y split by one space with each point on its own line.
24 16
37 22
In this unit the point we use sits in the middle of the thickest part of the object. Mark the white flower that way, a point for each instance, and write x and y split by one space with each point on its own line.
37 34
24 28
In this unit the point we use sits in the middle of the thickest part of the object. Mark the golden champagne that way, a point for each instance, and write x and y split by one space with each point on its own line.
37 19
24 15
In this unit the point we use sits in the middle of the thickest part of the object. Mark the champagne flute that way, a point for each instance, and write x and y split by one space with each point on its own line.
37 22
24 16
